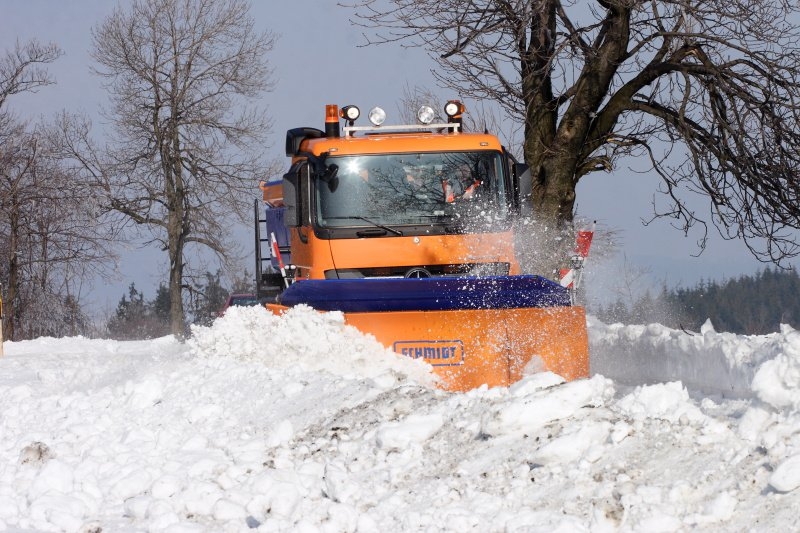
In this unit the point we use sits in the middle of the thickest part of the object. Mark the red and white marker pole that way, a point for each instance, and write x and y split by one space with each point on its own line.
276 252
571 277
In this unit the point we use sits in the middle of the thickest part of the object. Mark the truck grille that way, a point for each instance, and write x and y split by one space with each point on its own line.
418 271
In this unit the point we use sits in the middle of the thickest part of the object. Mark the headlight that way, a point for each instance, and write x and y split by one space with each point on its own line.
426 114
377 116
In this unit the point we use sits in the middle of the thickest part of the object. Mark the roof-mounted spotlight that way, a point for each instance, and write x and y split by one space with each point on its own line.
453 109
426 114
377 116
350 113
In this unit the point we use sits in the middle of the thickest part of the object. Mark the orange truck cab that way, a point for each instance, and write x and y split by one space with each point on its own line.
408 230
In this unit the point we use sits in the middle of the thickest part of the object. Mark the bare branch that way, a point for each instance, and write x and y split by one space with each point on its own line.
22 70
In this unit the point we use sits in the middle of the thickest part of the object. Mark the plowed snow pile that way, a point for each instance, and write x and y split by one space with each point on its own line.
300 423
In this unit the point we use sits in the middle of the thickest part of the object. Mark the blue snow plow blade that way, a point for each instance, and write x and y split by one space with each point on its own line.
426 294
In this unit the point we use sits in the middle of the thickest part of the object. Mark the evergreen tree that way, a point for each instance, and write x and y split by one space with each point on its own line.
136 319
750 305
75 320
209 298
161 303
127 320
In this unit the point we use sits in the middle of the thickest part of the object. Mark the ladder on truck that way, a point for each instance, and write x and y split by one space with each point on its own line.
269 281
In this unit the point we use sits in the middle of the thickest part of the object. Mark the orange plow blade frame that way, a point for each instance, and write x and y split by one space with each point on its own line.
468 348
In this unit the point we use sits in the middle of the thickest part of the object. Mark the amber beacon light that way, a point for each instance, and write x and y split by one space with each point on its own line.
331 120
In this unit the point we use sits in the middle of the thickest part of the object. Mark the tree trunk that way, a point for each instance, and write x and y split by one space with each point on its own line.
178 221
10 310
176 321
553 202
177 230
554 190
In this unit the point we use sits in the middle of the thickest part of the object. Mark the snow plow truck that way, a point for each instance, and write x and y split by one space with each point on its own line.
408 231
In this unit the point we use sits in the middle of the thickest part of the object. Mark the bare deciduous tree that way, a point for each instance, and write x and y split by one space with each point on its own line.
187 146
48 242
54 237
707 91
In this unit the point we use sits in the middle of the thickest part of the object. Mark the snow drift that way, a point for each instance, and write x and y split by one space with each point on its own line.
300 423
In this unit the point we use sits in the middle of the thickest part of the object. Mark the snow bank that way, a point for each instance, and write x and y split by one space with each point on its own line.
307 340
713 363
773 421
299 423
764 368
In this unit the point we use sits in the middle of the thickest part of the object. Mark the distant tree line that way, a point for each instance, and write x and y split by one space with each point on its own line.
749 305
135 317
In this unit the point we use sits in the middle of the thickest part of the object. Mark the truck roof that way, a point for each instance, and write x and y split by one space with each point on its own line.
401 142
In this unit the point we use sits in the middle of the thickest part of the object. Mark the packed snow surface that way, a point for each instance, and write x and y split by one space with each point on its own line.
300 423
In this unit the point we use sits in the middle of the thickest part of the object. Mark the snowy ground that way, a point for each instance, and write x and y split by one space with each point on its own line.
302 424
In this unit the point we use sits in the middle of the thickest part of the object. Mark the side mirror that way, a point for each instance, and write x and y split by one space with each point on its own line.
523 188
291 198
523 181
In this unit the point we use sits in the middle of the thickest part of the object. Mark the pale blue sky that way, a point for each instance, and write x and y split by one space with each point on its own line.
317 60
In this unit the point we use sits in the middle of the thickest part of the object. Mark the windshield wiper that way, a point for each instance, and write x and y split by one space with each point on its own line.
368 221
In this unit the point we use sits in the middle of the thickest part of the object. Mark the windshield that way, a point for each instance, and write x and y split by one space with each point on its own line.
407 189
